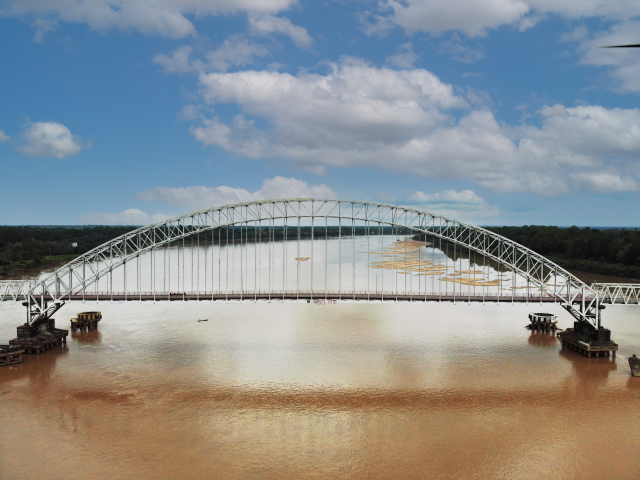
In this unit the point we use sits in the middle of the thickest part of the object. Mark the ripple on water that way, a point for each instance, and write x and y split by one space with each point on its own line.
296 390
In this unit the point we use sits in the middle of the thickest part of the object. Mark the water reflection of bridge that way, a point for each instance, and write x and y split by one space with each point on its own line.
310 249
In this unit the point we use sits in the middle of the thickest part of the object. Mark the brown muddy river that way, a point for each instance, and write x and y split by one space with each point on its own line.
296 390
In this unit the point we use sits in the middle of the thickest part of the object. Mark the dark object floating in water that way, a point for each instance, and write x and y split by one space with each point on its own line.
634 363
205 320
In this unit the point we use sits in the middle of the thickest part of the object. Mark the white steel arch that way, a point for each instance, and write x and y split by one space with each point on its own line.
75 277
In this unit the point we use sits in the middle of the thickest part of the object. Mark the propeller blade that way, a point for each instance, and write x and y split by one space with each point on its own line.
637 45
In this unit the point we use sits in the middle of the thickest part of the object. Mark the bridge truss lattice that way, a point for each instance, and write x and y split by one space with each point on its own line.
261 218
621 293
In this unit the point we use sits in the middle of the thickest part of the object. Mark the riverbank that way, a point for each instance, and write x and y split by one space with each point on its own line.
28 269
590 277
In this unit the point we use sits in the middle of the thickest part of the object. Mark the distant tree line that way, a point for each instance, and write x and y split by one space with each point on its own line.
605 251
29 247
614 251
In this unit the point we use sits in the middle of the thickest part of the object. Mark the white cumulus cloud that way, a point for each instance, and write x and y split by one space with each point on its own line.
241 138
623 64
159 17
475 17
178 61
361 116
405 57
458 51
265 24
602 182
588 132
132 216
236 51
4 137
50 139
355 108
42 26
465 205
200 197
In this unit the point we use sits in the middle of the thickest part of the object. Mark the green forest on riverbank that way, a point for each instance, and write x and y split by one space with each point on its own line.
611 251
30 247
605 251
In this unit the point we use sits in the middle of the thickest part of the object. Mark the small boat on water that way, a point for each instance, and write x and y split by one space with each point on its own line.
634 363
205 320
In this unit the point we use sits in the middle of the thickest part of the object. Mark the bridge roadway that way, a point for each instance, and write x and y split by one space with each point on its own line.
303 295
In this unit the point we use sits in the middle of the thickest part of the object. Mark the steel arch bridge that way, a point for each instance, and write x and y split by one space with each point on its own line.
307 220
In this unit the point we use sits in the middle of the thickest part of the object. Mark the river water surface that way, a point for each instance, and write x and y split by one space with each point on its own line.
297 390
275 390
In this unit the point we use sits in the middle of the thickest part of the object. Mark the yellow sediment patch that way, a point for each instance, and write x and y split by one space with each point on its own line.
388 254
406 266
471 281
303 259
406 257
465 272
403 262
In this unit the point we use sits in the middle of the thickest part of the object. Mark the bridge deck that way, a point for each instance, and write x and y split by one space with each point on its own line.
305 295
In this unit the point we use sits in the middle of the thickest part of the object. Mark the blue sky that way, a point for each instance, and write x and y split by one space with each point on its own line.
490 111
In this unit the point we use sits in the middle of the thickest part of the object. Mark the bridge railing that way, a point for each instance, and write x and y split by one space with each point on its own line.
624 293
15 289
307 294
608 293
